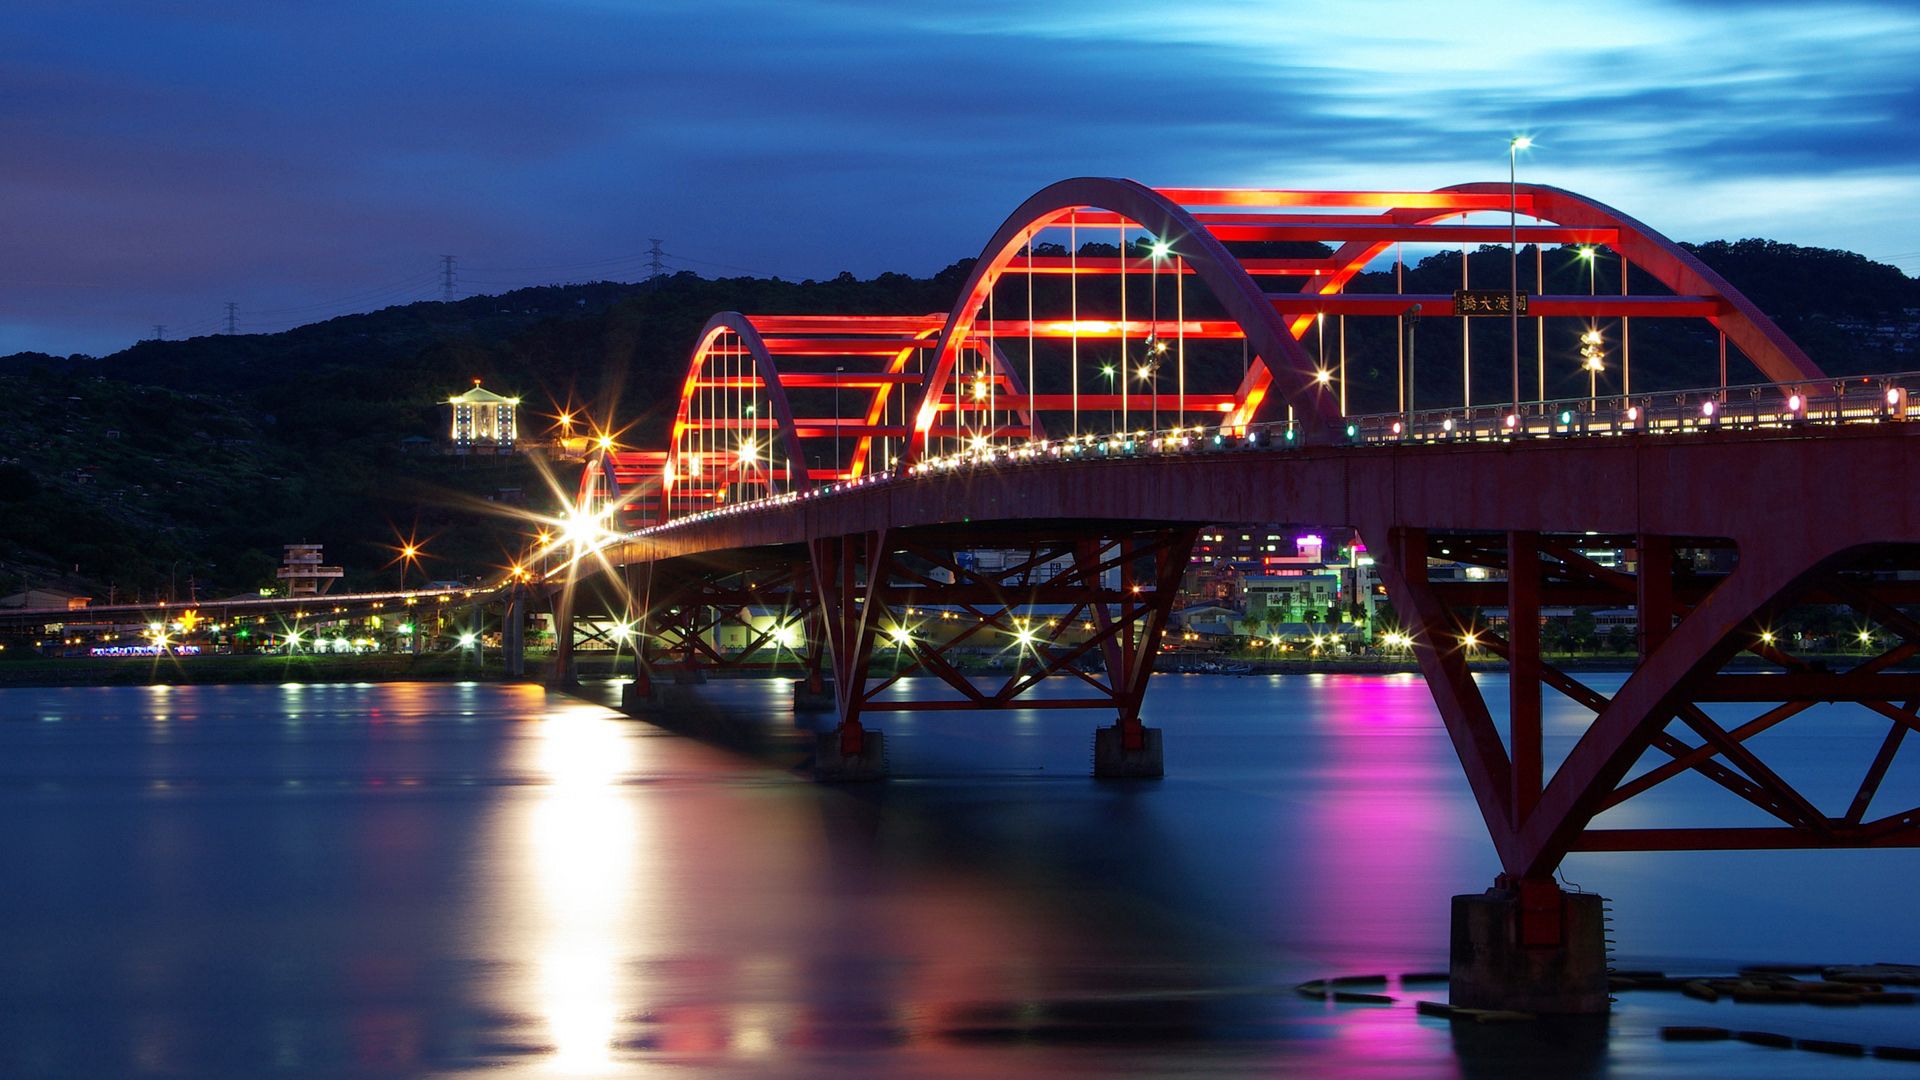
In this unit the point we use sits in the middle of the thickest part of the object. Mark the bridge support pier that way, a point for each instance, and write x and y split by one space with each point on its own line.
848 754
1527 946
815 693
561 676
1118 757
640 694
513 633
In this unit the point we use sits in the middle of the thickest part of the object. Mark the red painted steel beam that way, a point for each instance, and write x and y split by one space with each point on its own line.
1815 686
1096 266
846 427
1741 839
1385 200
1141 399
843 346
1090 329
828 324
1441 304
847 380
1417 234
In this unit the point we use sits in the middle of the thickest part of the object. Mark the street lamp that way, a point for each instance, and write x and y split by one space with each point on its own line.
1514 146
1149 373
1107 370
838 374
1591 356
1413 325
1586 251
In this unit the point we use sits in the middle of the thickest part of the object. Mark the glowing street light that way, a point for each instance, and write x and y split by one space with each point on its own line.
1588 253
1591 356
467 639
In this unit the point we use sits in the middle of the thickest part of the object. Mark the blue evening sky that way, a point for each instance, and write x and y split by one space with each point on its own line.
308 159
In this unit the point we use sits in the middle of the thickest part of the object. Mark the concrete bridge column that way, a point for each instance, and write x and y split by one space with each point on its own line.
561 675
1526 945
513 632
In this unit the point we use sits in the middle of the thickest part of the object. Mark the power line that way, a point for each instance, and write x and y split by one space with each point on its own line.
446 279
233 317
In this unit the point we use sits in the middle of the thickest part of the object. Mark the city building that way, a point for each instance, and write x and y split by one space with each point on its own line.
45 599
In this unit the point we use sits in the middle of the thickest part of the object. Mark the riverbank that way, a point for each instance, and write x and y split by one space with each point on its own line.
465 666
211 670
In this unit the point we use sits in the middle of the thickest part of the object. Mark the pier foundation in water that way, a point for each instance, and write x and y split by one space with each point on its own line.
1528 946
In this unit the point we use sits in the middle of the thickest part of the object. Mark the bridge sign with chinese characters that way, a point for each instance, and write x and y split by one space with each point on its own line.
1487 302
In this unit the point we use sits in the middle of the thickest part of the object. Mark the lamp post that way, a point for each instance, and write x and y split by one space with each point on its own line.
1590 355
837 373
1514 146
1413 325
1149 373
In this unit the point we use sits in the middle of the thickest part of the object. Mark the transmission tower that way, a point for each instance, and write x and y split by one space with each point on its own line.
159 331
446 278
656 265
233 317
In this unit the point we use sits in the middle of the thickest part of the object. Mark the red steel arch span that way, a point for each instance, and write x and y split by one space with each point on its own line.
777 404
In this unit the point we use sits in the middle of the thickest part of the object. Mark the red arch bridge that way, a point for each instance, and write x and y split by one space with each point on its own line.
1126 365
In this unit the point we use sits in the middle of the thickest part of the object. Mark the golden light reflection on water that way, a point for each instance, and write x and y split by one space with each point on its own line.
582 839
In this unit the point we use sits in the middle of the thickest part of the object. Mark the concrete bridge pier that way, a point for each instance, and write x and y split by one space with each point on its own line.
849 753
1128 752
561 676
513 633
1526 945
814 693
640 694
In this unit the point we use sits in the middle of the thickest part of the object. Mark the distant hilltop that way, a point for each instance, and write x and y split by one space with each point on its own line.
199 458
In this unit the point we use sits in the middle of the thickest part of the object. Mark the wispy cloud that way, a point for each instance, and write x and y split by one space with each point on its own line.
180 155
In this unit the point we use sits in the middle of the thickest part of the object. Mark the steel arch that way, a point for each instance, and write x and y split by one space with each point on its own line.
1232 287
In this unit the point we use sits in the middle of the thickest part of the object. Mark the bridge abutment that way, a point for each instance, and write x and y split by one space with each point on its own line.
1527 946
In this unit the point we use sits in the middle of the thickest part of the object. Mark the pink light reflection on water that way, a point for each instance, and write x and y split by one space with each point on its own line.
1394 832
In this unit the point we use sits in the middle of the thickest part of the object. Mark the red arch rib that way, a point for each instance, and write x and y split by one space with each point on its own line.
763 363
1283 358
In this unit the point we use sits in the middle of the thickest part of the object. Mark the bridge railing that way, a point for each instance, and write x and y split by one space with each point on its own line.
1856 400
1871 399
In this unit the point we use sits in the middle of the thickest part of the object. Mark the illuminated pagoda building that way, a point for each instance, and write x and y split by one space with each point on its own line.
483 422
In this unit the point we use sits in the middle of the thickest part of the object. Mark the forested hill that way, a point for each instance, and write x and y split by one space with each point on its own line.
194 460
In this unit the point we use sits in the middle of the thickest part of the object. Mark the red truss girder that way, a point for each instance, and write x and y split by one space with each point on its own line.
1531 504
685 608
1689 629
871 584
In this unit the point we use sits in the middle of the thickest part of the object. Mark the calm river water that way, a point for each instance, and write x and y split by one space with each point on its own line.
418 879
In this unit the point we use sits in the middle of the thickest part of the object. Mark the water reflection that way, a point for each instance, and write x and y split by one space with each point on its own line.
402 880
583 836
